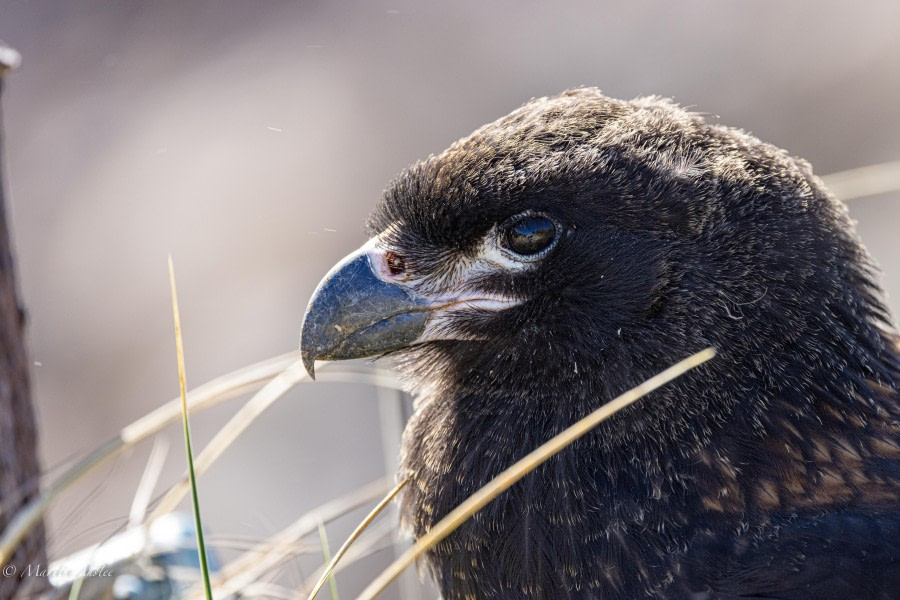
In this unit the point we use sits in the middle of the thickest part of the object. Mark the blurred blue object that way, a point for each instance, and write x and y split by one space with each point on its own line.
155 562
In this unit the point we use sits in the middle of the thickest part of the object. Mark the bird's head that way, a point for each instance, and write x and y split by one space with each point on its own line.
583 243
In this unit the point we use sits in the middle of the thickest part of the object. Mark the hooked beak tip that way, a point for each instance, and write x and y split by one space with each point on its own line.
354 314
309 363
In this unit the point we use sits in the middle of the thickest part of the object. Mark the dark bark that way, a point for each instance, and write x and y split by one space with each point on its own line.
19 467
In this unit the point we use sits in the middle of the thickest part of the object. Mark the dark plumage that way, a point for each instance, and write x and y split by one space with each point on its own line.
770 472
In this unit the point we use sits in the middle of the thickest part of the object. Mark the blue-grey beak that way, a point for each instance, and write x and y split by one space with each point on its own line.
353 314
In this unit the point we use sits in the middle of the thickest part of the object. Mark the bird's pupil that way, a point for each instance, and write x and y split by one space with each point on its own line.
530 235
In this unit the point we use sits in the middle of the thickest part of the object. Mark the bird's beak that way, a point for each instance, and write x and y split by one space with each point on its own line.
354 313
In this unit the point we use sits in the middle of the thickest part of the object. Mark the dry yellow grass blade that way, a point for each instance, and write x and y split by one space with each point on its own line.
209 394
212 393
517 471
143 494
380 536
870 180
235 426
249 412
271 591
251 566
353 537
338 372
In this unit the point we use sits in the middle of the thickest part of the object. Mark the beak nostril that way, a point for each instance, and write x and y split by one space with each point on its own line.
396 264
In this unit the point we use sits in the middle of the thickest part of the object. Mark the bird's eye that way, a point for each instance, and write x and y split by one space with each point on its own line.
530 235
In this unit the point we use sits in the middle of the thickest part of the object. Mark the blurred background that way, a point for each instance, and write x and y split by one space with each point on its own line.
251 139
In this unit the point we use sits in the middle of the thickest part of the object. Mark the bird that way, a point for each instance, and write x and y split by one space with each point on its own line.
565 253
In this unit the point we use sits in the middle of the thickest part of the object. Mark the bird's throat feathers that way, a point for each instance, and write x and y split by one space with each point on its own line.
687 458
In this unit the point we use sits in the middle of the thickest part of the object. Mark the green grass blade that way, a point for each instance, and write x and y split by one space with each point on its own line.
195 500
326 554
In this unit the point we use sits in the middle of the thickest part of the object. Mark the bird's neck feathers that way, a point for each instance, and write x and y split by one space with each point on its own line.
739 419
689 455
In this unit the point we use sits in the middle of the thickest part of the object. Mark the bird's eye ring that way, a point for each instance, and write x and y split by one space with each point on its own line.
529 235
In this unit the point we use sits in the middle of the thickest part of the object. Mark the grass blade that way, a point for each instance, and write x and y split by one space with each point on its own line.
235 426
871 180
326 554
211 393
207 395
149 479
195 500
251 566
378 537
332 562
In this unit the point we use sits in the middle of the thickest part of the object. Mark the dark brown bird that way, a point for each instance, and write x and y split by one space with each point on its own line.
567 252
